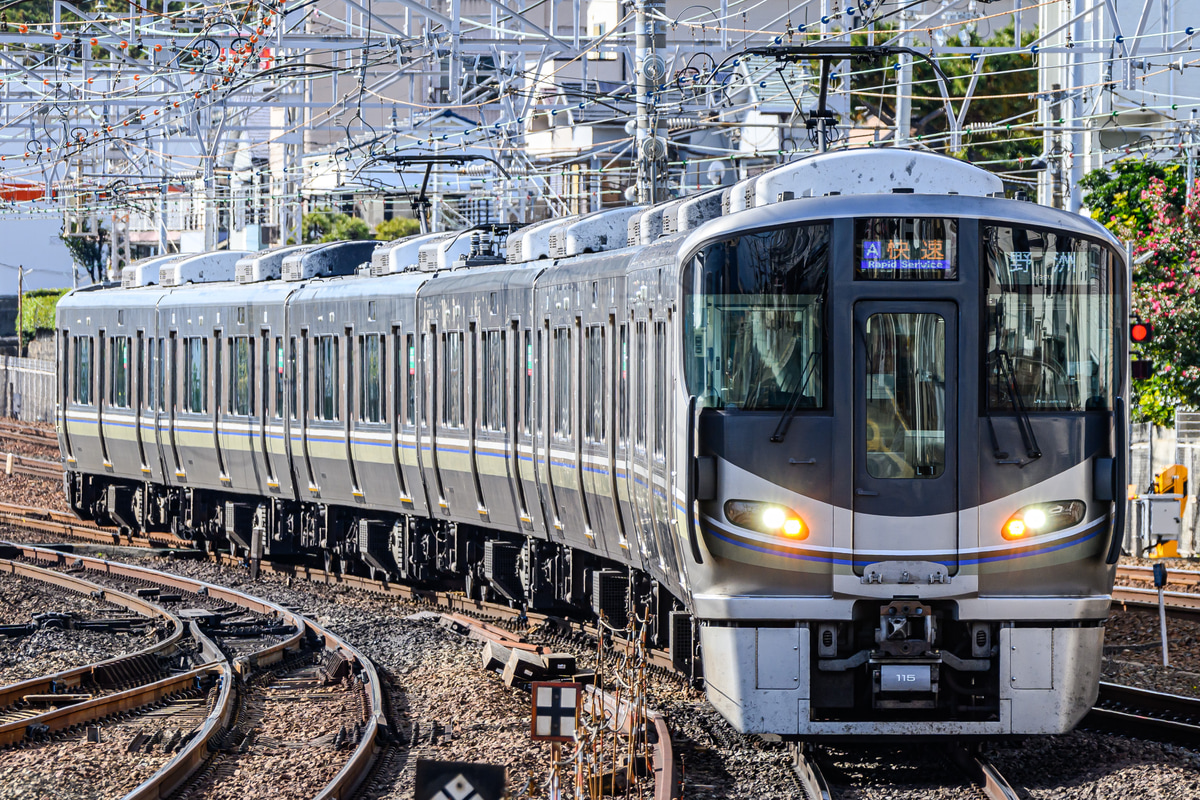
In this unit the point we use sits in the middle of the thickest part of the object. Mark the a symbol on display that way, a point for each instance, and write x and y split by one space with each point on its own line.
555 710
459 788
458 780
872 249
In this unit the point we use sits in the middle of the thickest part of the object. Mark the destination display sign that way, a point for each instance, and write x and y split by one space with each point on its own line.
905 248
901 254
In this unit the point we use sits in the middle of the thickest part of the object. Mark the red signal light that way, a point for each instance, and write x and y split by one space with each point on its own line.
1141 332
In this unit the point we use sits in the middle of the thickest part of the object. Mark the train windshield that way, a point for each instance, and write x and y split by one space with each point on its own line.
1049 320
754 320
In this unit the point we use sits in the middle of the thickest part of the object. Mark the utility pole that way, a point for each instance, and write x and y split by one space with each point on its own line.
651 148
904 85
20 310
1191 155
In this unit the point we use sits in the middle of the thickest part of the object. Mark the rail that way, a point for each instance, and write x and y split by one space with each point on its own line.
359 763
74 678
1158 716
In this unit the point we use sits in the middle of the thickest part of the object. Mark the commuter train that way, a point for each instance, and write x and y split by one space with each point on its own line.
848 433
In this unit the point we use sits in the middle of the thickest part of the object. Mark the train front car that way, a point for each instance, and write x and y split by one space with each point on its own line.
907 394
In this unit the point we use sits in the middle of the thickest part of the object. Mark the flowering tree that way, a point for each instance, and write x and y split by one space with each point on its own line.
1165 230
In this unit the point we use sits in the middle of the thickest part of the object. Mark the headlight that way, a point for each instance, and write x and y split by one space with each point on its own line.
1044 518
766 518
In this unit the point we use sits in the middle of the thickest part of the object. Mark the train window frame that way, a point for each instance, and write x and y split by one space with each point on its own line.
195 354
806 251
327 388
241 368
279 367
371 408
529 395
493 381
622 407
295 379
84 369
410 380
593 393
120 372
563 376
660 388
453 362
640 348
1105 372
144 372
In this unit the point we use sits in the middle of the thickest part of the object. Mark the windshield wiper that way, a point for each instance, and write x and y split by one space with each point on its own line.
1023 424
806 373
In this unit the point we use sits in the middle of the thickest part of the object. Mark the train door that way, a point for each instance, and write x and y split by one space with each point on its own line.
905 444
266 363
639 473
101 389
525 412
139 398
218 366
515 357
173 406
661 483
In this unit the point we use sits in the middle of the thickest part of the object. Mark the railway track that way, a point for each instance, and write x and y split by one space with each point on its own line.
245 666
984 779
481 615
27 434
1127 711
1183 604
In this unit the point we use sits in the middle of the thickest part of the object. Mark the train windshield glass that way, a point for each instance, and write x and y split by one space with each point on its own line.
755 310
1049 320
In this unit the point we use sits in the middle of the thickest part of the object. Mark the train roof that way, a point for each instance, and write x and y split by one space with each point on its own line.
896 205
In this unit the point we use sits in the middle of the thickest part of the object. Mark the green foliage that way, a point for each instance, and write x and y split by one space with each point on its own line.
396 228
38 308
347 228
316 224
327 225
1006 87
1114 195
87 251
1165 232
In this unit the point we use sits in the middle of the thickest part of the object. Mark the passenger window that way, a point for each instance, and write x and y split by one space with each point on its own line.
371 370
660 388
639 365
83 370
623 386
328 385
493 381
279 377
452 379
529 395
196 370
119 370
241 387
594 392
293 378
563 379
410 381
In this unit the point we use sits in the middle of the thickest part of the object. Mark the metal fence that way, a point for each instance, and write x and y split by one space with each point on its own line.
28 389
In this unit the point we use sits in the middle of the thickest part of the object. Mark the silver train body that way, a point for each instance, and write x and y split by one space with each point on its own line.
844 432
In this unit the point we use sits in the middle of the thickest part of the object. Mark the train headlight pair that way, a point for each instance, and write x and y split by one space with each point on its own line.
769 518
1043 518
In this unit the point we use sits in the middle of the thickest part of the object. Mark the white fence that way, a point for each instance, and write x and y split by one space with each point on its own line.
28 389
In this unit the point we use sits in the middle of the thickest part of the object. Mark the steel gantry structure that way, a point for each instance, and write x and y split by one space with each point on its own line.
193 121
